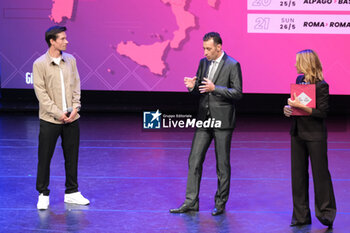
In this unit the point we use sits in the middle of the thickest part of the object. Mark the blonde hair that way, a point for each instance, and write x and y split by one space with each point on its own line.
308 63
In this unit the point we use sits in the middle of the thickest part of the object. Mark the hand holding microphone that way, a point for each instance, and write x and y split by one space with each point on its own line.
71 113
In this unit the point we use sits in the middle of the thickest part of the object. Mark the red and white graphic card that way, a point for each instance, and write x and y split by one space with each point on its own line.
306 93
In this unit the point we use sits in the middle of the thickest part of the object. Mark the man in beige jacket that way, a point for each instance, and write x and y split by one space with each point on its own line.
57 87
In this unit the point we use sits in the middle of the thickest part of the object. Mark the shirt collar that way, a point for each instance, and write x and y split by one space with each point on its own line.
50 59
218 60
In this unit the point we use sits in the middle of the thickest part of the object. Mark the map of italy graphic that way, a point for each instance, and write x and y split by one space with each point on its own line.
148 55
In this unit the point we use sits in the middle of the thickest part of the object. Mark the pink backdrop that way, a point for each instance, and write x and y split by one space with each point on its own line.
151 45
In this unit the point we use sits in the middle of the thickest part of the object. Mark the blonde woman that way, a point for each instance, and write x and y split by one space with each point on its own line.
309 139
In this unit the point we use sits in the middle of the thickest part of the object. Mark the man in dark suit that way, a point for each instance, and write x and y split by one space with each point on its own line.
219 82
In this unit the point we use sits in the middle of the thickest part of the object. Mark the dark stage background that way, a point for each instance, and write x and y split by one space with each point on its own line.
18 100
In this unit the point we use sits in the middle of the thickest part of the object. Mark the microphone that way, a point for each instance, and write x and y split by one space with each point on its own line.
69 111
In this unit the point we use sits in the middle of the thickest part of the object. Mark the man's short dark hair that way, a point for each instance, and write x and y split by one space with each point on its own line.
52 32
213 35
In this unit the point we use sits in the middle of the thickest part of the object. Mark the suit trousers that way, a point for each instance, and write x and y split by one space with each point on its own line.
325 206
70 135
200 144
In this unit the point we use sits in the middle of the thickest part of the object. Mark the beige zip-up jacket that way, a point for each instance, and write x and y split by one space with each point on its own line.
47 86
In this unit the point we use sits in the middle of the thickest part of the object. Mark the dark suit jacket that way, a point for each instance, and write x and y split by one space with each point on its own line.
313 127
228 88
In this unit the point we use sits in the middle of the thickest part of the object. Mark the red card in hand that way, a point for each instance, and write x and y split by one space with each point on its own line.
306 93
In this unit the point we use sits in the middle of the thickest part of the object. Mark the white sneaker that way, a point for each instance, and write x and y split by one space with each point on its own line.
76 198
43 202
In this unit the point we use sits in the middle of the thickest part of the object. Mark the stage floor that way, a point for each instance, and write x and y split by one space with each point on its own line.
134 176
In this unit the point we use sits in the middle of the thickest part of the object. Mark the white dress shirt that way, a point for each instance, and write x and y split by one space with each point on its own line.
64 102
214 66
